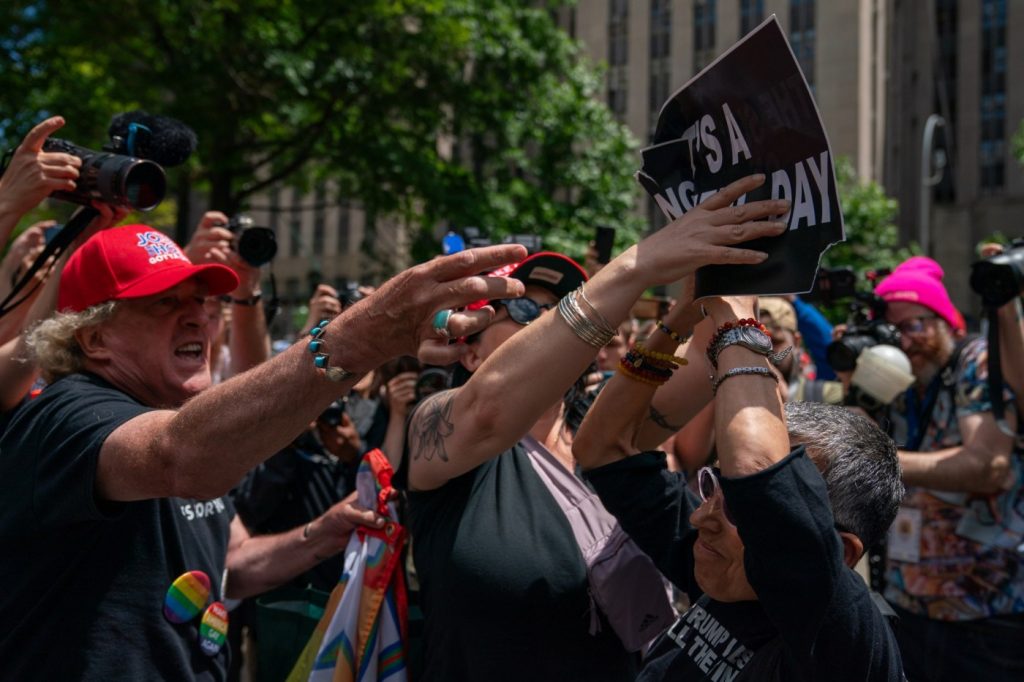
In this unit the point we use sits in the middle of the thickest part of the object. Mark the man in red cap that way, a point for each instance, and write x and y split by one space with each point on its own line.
955 569
118 545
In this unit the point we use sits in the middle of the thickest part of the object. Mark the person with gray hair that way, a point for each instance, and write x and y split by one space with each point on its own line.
765 545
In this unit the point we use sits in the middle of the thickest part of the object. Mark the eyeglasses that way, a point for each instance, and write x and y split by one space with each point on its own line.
914 325
708 487
523 310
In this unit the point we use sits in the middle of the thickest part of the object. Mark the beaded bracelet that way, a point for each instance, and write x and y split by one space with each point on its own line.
322 360
678 338
646 377
740 371
664 357
638 362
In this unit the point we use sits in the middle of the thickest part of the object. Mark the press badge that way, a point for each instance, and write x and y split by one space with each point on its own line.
905 536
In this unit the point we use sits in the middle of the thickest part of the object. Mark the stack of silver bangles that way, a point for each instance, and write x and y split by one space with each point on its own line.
596 334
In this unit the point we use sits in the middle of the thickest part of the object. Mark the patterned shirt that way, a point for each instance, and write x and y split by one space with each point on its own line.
971 562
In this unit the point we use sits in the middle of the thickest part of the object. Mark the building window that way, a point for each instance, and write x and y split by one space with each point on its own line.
945 92
618 56
344 227
703 33
801 36
661 53
320 197
993 94
295 237
751 14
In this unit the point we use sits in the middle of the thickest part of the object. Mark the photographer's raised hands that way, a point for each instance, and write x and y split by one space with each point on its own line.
213 242
32 175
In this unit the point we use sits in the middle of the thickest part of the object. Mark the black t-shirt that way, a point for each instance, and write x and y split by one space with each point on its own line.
292 488
503 583
84 580
814 618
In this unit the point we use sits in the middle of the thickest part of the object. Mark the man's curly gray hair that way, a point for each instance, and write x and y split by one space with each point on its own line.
52 343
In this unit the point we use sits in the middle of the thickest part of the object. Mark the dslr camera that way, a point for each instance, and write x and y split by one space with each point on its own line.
861 333
256 245
871 349
1000 279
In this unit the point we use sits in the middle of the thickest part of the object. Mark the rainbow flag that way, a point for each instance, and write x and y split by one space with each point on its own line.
363 633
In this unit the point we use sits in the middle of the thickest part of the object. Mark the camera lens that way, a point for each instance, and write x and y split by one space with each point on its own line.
842 353
257 245
1000 278
143 185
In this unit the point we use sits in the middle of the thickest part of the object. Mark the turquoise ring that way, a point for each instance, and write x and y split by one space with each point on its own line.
441 318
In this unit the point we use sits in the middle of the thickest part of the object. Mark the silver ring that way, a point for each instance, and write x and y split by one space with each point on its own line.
440 324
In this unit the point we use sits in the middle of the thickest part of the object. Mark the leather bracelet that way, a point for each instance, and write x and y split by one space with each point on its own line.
251 301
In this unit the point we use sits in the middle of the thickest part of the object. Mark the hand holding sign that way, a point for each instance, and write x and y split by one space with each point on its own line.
750 111
706 234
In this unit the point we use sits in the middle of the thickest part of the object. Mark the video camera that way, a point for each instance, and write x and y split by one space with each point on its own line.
1000 279
871 349
865 328
129 171
256 245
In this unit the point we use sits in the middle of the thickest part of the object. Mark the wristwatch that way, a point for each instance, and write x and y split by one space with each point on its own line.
748 337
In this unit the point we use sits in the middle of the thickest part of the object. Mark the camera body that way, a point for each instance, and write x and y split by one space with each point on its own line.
256 245
843 352
1000 279
111 176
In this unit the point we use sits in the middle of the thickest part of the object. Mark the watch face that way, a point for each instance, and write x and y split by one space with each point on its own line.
755 339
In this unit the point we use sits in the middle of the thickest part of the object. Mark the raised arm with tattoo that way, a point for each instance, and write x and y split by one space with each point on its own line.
526 375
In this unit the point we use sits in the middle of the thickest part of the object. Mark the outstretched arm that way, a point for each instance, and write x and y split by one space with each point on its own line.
529 372
181 452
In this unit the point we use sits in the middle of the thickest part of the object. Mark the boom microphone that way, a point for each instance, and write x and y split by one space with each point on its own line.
162 139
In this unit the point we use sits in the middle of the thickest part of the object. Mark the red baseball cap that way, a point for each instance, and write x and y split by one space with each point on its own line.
132 261
557 273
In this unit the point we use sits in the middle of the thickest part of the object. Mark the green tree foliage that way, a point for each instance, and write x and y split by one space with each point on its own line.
1018 143
367 94
872 237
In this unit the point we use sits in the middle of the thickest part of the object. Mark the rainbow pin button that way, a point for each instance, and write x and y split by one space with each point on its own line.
186 596
213 629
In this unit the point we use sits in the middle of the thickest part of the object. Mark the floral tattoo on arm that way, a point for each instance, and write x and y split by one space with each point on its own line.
433 424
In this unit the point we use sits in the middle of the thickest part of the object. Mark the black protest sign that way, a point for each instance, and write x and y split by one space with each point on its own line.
750 111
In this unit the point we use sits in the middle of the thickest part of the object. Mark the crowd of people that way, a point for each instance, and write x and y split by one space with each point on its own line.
590 496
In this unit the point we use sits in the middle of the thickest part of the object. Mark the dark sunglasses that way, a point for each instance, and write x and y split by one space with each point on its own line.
523 310
708 487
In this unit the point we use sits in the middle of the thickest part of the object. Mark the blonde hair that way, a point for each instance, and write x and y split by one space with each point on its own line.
52 343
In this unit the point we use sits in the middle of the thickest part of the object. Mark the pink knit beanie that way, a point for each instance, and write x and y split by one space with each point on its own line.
919 280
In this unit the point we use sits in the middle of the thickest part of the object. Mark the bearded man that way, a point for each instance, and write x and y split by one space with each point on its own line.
955 570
